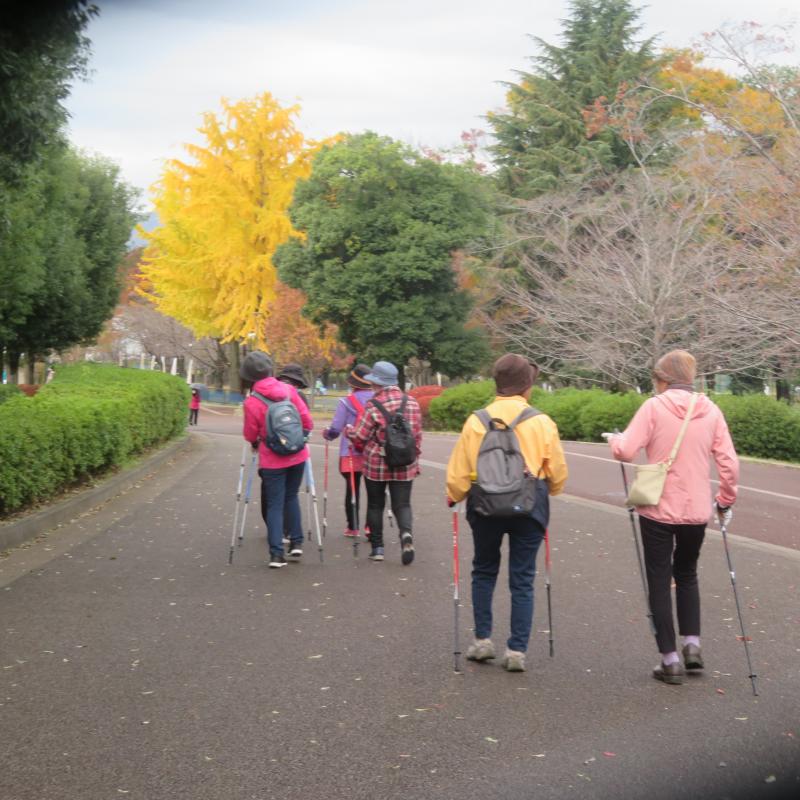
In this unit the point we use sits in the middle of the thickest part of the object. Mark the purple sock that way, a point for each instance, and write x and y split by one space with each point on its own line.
669 658
695 640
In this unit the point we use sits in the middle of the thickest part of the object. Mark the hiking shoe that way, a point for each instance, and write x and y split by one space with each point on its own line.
481 650
513 661
669 673
407 542
297 550
351 534
277 561
376 554
692 657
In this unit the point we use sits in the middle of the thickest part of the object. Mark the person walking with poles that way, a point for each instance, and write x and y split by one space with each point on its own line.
390 435
277 422
506 462
680 430
348 412
293 374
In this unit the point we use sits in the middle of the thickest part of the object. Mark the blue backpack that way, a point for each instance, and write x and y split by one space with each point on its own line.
284 429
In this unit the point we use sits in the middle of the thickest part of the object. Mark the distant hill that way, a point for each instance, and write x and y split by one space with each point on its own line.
149 223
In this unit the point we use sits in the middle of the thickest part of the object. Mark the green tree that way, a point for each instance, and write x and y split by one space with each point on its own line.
380 225
42 51
543 135
73 218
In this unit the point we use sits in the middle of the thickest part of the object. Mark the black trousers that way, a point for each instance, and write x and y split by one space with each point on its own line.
400 495
671 551
193 412
349 509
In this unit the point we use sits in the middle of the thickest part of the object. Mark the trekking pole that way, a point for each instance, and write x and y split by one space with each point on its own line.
313 488
248 486
238 500
456 581
745 638
308 507
325 492
638 554
354 506
547 584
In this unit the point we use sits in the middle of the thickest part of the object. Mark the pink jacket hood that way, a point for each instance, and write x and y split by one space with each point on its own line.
687 495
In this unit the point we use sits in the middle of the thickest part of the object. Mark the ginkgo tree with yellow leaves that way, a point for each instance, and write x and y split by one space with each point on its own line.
223 212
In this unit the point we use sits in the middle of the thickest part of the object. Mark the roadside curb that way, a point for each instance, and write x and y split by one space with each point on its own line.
13 534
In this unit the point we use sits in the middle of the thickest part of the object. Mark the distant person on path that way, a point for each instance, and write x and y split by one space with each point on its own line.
293 374
194 406
348 412
673 530
320 387
383 452
540 446
274 428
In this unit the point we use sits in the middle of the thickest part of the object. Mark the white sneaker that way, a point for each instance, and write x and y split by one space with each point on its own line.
513 661
296 551
481 650
276 562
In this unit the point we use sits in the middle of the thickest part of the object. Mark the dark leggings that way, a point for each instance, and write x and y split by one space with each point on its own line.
671 551
400 494
193 412
349 510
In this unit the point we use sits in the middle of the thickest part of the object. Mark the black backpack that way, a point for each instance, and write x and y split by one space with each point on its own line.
503 486
400 447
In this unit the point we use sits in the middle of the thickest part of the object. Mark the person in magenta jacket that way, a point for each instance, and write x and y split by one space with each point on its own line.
194 406
281 475
673 530
348 411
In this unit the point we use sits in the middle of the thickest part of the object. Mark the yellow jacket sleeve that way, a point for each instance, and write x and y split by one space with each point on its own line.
461 467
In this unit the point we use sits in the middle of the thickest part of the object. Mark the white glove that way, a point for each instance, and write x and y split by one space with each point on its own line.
723 515
609 436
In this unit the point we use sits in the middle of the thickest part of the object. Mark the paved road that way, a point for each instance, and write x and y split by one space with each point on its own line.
136 663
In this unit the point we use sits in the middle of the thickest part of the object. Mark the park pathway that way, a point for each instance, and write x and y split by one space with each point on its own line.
136 663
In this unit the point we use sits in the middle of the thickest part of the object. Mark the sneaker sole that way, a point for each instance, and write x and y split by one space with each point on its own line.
277 566
480 659
375 558
407 556
672 680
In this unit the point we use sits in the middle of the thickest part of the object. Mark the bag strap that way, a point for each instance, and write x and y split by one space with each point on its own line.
684 426
356 404
488 421
527 413
380 408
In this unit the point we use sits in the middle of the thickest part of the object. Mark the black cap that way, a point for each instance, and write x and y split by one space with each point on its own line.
294 373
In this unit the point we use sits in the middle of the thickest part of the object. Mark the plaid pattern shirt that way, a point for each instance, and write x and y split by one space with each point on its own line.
370 435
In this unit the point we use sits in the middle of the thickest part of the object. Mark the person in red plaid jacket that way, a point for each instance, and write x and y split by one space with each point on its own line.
370 436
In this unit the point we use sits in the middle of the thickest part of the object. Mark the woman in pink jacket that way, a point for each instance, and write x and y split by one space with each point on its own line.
673 530
281 474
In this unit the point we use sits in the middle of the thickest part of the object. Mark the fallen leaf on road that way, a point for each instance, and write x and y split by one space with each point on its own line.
489 739
770 779
720 691
609 755
741 719
402 716
317 656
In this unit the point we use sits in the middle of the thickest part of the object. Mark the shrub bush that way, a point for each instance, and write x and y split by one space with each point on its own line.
92 418
762 427
423 395
7 391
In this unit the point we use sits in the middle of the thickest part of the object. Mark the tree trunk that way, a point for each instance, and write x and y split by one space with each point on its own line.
232 356
30 367
13 367
401 377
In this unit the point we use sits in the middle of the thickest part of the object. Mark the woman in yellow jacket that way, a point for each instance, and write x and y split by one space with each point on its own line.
544 457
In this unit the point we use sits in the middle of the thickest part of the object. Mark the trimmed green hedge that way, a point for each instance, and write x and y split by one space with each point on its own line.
8 390
90 418
760 426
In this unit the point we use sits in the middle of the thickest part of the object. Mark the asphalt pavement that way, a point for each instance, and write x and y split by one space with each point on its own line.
137 663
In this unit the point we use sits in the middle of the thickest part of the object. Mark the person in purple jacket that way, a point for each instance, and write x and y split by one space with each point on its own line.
348 410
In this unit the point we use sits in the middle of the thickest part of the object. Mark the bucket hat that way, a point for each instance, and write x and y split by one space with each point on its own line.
255 367
294 372
383 373
356 377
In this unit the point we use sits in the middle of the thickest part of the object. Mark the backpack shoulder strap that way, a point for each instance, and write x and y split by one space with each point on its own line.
526 413
357 405
402 405
483 415
265 400
381 408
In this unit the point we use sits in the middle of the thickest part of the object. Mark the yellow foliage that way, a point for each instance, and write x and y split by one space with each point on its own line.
222 215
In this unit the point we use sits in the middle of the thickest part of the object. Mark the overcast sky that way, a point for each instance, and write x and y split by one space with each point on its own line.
417 70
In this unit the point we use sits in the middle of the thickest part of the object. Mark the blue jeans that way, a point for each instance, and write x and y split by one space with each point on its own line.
524 537
279 505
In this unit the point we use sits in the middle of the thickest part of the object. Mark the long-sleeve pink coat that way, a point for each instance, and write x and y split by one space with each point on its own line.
687 495
255 412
